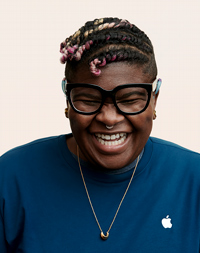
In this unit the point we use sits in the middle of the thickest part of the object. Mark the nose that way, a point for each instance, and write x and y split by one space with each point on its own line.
109 115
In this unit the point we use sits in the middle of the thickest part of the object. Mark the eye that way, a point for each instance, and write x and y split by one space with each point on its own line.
131 95
87 102
86 99
129 101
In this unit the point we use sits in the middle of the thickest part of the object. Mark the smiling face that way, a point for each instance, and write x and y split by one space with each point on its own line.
119 146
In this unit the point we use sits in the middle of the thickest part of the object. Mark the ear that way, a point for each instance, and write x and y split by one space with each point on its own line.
155 97
66 113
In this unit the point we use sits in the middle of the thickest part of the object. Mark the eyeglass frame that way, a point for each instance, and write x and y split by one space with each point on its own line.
111 93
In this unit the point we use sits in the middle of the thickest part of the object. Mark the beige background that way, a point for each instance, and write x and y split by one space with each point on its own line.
31 101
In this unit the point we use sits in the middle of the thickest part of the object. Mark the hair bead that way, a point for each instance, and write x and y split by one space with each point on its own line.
113 58
86 34
77 56
98 21
111 25
62 59
103 63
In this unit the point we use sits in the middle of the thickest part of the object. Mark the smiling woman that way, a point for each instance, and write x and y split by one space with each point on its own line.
108 179
136 129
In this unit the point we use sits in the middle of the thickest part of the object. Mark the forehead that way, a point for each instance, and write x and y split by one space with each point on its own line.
112 75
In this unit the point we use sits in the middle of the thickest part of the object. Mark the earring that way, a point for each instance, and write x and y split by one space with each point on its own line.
66 112
154 114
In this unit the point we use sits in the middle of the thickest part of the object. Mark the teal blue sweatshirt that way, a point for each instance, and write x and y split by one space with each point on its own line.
44 206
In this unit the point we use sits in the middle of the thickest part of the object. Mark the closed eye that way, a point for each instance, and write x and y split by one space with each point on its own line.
133 94
88 102
85 96
130 101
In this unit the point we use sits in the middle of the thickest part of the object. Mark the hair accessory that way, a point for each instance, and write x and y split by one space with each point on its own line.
109 127
63 84
66 112
105 237
156 85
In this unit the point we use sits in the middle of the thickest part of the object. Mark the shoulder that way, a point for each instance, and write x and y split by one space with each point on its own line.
160 143
34 145
31 153
173 153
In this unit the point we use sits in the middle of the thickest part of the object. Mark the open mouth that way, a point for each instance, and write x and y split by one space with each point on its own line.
111 139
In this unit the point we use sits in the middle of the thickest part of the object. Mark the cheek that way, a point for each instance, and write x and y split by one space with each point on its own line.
148 122
148 119
149 112
143 122
78 122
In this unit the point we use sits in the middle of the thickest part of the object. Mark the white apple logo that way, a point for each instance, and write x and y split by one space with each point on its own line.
166 222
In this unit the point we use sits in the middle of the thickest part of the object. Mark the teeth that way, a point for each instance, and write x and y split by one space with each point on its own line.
111 140
112 137
107 137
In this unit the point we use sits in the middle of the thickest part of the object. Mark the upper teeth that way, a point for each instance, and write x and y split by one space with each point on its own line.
111 139
111 136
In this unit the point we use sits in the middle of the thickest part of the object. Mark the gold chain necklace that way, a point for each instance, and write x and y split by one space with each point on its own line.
105 237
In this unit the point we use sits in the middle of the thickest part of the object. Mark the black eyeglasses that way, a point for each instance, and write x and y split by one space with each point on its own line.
129 99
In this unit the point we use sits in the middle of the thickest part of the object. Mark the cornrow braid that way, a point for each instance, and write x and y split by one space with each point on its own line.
119 55
92 27
106 40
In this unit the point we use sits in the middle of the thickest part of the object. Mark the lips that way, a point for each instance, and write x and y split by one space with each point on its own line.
111 139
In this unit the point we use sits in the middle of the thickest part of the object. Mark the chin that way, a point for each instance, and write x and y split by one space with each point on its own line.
111 162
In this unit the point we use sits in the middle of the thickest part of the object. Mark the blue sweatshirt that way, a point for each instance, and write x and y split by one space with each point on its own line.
44 206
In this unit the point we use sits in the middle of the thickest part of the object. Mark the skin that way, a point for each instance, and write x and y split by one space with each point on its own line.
137 127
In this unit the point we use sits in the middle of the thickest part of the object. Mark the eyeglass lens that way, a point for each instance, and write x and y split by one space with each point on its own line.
129 100
132 99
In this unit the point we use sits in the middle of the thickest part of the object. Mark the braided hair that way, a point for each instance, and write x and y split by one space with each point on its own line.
107 40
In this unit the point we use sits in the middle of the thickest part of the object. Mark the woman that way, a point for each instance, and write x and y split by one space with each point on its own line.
108 186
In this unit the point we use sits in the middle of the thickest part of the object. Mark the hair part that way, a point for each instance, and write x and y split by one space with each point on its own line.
104 41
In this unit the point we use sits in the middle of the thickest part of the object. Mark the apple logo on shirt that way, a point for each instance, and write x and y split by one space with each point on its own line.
166 222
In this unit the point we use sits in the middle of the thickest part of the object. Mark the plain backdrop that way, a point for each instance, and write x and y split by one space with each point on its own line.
31 100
